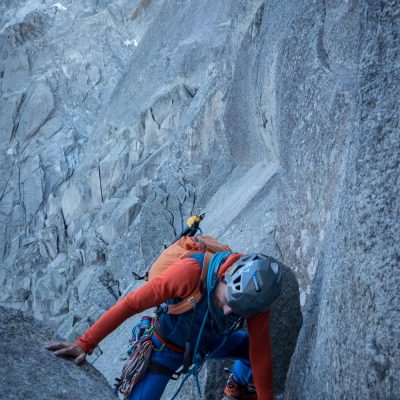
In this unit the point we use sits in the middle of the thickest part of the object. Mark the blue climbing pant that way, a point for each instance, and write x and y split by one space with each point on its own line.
152 386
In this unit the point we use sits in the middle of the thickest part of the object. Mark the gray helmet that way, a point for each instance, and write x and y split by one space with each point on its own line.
253 283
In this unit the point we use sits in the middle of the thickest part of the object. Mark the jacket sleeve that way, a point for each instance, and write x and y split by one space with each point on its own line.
179 280
261 355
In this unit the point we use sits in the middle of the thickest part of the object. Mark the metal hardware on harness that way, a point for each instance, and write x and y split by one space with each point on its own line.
139 356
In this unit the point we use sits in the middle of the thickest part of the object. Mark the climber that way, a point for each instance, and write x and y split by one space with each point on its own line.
238 287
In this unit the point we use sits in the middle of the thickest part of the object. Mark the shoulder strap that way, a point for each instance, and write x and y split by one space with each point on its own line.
187 304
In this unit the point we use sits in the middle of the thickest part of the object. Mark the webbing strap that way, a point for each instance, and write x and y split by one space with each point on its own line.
187 304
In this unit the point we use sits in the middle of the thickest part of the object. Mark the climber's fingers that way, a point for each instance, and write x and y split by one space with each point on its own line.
52 346
67 349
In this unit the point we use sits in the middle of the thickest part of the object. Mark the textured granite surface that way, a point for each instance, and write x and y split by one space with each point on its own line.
279 119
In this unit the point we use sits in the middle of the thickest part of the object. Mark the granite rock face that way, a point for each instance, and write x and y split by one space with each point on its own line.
119 119
30 371
348 212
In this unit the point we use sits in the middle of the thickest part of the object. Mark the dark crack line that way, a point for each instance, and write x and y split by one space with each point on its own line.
44 194
100 184
36 212
181 212
189 92
257 22
21 202
154 119
6 242
17 116
321 51
172 221
64 223
46 181
8 181
58 241
33 132
70 172
28 57
193 203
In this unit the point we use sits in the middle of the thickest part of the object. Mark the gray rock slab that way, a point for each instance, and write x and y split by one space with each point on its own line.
122 216
9 122
36 110
72 204
30 371
16 72
235 195
93 286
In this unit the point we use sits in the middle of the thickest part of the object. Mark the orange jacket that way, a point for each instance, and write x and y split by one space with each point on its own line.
166 286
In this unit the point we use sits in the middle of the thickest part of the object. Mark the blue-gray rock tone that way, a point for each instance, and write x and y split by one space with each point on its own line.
279 119
346 213
29 371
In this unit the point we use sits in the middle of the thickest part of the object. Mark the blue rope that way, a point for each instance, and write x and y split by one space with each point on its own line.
212 281
196 349
180 386
216 261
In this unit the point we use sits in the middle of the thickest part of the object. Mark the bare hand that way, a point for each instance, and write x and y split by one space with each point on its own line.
67 349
